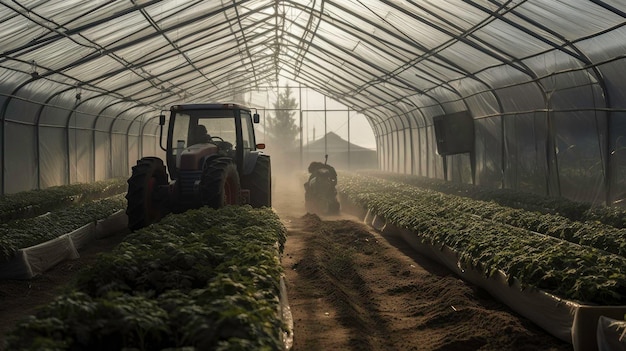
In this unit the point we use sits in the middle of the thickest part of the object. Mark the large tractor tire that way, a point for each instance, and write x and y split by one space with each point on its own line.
219 185
146 204
259 182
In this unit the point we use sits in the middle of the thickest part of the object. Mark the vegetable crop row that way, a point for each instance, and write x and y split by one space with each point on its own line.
590 233
22 233
573 210
204 279
568 270
36 202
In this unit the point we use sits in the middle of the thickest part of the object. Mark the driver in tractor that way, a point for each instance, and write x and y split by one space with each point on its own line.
317 169
200 135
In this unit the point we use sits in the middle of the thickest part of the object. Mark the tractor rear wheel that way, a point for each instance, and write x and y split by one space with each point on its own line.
259 183
146 204
219 185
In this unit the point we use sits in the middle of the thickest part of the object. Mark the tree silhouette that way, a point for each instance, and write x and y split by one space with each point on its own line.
281 128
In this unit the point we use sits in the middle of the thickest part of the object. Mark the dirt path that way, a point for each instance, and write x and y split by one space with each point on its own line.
350 288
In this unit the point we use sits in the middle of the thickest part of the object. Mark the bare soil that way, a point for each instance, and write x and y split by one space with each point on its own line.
349 288
352 288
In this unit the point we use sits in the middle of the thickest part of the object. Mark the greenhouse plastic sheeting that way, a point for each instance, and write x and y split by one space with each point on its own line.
544 81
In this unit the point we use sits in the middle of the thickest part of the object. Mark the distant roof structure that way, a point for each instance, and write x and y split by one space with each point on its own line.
333 143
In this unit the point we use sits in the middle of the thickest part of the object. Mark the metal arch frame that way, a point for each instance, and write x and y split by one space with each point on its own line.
159 30
593 67
304 50
39 115
580 56
383 71
142 131
551 152
115 91
107 51
329 78
243 35
456 67
442 83
3 112
442 30
140 64
45 40
356 68
214 12
140 135
77 31
115 119
406 85
523 68
110 51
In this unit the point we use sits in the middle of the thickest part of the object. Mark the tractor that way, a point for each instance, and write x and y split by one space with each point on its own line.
320 195
212 158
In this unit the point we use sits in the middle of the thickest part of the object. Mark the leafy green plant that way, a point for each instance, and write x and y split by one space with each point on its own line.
204 279
32 203
591 233
573 210
22 233
571 271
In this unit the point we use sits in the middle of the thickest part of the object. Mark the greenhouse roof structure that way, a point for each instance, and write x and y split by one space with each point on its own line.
506 63
379 57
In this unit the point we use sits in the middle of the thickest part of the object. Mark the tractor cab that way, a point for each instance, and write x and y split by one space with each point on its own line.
212 159
199 131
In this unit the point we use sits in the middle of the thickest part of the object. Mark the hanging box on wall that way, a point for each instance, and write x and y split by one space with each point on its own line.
454 133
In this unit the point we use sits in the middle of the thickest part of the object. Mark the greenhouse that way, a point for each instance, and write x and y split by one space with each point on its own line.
82 83
526 96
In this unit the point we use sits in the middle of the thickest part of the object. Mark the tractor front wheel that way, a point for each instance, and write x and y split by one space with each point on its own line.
146 201
220 183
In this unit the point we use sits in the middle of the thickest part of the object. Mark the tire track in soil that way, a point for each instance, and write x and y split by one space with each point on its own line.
351 288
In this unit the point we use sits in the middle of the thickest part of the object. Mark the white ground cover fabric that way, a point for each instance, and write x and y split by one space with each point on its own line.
32 261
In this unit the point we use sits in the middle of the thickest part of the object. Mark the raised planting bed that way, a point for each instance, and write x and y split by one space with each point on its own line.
31 246
201 280
516 265
573 210
589 233
32 203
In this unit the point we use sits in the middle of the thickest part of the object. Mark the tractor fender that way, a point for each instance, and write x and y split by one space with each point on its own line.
250 162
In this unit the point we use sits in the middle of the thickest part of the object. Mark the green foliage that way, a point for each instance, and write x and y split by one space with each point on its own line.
597 227
571 271
22 233
575 211
205 279
35 202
